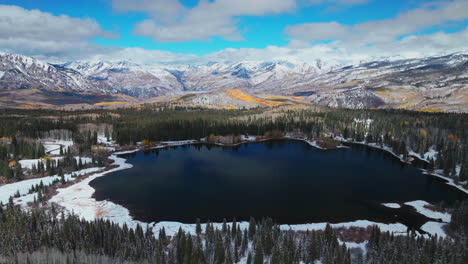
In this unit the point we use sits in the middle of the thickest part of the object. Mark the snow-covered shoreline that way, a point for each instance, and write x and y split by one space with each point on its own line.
77 199
449 181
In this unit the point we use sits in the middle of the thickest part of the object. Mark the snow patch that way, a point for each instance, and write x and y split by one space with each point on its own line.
434 228
28 163
52 147
392 205
396 227
23 187
419 205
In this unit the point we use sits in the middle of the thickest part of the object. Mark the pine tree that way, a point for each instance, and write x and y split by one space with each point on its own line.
249 258
258 253
198 228
219 252
252 228
463 176
234 227
18 172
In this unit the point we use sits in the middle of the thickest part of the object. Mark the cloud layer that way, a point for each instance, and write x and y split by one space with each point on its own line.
172 22
382 31
61 38
39 33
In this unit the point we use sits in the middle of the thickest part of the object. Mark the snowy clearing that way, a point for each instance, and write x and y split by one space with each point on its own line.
28 164
52 147
23 187
101 139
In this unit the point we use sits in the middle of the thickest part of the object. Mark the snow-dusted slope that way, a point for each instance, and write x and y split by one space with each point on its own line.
127 78
432 83
23 72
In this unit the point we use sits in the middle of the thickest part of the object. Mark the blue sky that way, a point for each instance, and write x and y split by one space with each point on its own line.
203 28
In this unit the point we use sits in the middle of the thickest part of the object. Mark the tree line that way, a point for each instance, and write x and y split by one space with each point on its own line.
43 229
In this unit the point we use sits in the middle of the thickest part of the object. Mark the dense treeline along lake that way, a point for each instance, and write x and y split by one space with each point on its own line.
287 180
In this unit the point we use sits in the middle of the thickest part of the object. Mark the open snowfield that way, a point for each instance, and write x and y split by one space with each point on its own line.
52 147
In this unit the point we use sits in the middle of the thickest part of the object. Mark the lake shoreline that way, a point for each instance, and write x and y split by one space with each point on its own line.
121 215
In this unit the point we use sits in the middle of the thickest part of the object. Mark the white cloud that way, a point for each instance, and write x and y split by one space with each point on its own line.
317 31
412 46
160 10
205 20
383 31
35 32
60 38
339 2
144 56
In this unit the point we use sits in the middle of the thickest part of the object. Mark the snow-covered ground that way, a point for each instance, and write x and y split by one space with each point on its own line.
431 154
431 227
420 208
23 187
78 199
428 155
392 205
450 181
52 146
396 228
103 140
248 138
362 245
434 228
28 163
178 143
312 143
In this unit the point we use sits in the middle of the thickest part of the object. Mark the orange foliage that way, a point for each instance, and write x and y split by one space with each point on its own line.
145 142
238 94
424 133
452 137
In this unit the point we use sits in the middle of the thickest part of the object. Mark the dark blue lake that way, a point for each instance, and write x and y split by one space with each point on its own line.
287 180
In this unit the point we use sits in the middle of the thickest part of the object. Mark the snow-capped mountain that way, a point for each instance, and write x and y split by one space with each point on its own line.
155 80
439 82
128 78
23 72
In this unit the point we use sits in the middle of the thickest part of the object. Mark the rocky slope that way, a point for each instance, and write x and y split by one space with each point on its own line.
432 83
22 72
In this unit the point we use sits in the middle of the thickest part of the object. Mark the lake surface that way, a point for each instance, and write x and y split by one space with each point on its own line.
287 180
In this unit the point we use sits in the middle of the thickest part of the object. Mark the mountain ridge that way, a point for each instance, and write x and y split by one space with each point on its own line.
437 82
